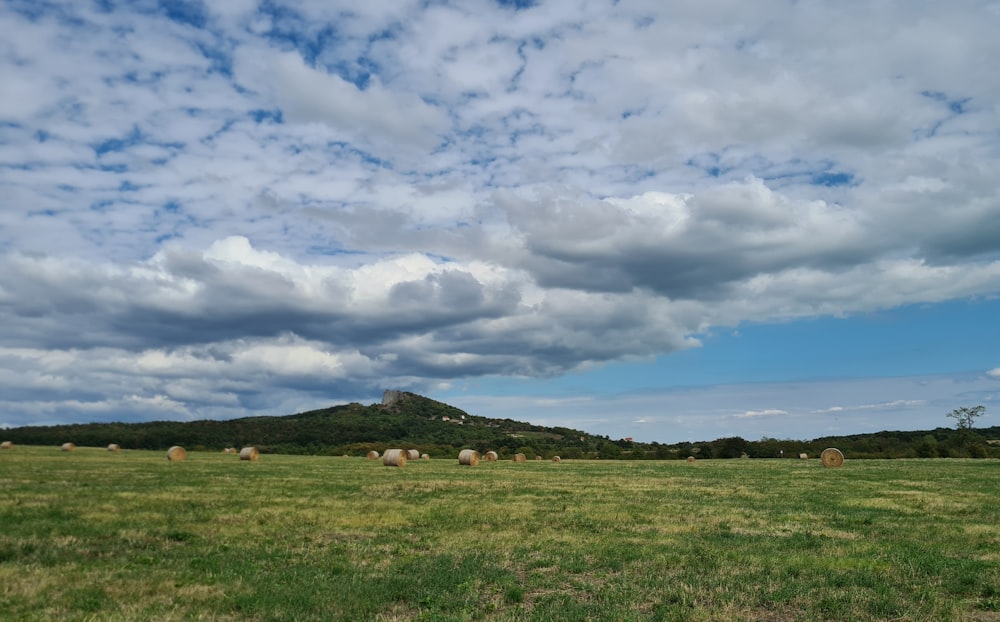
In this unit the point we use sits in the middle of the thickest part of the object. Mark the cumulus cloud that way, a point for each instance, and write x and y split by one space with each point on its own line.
362 115
248 207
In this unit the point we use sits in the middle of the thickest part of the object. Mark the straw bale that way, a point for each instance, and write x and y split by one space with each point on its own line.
373 455
519 458
413 454
67 447
690 459
538 457
394 457
832 457
803 456
556 459
176 454
469 457
425 456
250 453
114 447
7 445
491 456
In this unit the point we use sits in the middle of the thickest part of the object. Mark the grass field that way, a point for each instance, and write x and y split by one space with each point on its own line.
91 535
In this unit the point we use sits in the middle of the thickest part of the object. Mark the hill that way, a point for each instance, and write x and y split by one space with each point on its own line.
408 420
402 419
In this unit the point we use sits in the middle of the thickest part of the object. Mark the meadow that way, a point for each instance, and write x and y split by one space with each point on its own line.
93 535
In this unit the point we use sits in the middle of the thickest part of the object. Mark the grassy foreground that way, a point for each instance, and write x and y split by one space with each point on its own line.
92 535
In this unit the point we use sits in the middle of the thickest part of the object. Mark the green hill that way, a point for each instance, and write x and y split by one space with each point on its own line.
403 420
411 421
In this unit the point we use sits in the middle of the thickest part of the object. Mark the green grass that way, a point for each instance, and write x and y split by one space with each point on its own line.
91 535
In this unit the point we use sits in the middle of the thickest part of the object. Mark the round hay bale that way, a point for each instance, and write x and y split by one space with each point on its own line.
114 448
413 454
469 457
832 457
67 447
518 458
394 457
803 456
425 456
537 458
690 459
6 445
556 459
491 456
373 455
176 454
250 453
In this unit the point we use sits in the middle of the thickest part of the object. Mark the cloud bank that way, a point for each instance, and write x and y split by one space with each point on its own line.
212 209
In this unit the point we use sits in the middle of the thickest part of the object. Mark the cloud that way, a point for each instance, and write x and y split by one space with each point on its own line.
309 95
891 405
767 412
994 373
247 207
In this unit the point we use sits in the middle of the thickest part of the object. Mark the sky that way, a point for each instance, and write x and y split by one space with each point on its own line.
669 221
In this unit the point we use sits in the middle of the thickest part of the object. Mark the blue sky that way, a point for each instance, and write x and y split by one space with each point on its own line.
901 369
671 222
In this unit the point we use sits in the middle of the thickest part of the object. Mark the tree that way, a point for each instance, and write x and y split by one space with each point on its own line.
966 417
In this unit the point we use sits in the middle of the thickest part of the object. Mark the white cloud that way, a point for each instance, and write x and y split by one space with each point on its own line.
891 405
442 192
310 95
767 412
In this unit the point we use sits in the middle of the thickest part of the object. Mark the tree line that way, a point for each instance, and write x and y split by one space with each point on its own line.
441 430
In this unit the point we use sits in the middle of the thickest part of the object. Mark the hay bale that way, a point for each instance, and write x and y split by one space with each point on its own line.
250 453
114 448
803 456
690 459
425 457
67 447
394 457
413 454
556 459
373 455
6 445
176 454
832 457
538 458
519 458
491 456
468 457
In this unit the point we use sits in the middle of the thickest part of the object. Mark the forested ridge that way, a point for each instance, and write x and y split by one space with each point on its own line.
441 430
